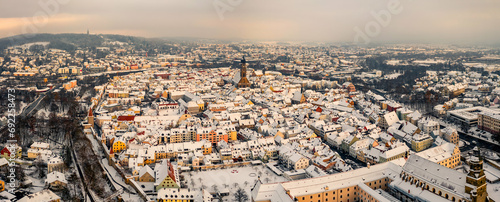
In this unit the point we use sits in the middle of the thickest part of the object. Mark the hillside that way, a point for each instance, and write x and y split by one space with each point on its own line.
71 42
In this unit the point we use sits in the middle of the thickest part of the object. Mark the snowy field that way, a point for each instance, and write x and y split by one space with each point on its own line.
494 191
230 179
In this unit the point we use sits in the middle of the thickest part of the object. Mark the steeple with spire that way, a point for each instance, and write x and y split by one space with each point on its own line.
476 179
90 117
244 83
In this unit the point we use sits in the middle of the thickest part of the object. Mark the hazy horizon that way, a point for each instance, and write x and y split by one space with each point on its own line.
446 21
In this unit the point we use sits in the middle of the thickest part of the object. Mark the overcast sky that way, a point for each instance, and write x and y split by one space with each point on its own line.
448 21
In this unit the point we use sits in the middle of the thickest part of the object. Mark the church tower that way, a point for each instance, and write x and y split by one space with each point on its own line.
244 83
476 179
90 118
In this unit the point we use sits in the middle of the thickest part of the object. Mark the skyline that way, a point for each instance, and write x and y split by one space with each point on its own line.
459 22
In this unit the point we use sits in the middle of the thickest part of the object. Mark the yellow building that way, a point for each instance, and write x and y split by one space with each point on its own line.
421 142
201 106
166 176
348 186
119 145
56 180
179 195
206 150
447 155
136 110
2 186
183 117
146 174
233 135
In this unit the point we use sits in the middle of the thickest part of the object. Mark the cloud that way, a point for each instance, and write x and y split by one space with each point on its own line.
319 20
37 24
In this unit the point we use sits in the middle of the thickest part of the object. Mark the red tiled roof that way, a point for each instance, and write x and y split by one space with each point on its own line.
5 150
171 171
126 118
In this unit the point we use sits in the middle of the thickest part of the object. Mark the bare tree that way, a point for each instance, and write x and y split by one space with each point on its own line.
219 197
215 188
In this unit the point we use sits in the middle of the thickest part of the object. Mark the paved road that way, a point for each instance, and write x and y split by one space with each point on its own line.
35 104
480 143
113 179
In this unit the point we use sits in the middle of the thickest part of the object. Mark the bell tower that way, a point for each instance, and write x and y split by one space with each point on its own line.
244 83
476 179
90 118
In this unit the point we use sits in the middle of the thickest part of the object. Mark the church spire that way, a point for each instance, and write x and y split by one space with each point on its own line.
476 179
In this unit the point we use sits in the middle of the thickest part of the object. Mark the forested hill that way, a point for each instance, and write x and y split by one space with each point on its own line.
71 42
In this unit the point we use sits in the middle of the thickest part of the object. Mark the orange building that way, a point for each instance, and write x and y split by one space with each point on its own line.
70 85
213 136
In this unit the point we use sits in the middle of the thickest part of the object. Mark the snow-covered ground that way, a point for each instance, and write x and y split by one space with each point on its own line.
117 181
494 191
129 195
95 145
28 45
36 184
44 112
226 179
22 105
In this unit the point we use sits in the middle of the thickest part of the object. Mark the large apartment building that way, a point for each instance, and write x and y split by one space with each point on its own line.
415 179
489 120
